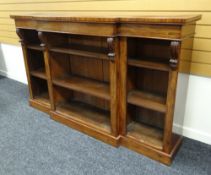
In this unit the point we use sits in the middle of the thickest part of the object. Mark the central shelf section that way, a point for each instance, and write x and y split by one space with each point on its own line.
80 73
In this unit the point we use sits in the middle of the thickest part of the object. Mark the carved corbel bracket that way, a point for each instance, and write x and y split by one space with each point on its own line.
43 40
111 52
175 49
21 36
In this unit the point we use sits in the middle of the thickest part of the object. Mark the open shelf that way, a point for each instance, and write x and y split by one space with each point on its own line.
147 100
40 73
87 114
43 98
145 134
78 52
89 86
148 64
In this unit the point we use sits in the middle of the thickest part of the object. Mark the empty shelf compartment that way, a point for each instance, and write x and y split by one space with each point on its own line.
85 113
43 98
146 134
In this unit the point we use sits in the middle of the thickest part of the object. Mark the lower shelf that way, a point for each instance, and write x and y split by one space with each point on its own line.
41 102
43 98
86 114
145 134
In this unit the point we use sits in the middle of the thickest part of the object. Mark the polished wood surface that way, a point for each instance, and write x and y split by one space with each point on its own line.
113 78
71 17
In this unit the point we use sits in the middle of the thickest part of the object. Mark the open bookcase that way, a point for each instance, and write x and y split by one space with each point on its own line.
113 78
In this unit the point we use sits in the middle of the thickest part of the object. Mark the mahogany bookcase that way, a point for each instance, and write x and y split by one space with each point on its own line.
113 78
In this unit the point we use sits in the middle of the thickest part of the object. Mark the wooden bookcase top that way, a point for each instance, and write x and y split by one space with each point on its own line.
99 18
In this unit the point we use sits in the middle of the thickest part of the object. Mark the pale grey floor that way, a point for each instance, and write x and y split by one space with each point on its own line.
33 144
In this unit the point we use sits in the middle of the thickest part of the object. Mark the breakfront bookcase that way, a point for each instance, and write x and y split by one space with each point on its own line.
113 78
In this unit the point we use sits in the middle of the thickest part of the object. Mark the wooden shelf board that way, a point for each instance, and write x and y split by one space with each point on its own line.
40 73
146 134
35 47
43 98
84 85
86 114
147 100
148 64
80 53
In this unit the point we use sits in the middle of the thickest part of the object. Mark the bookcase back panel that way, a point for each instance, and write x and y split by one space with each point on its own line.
31 36
39 87
147 80
149 49
90 68
149 117
36 60
91 100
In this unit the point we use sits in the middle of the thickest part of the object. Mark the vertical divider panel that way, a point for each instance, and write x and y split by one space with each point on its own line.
44 44
171 95
25 56
123 85
113 54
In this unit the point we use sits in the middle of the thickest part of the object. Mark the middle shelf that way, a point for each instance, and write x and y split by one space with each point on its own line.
85 85
40 73
147 100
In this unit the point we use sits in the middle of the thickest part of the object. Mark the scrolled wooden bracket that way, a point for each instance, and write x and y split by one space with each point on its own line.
43 39
111 52
21 36
174 60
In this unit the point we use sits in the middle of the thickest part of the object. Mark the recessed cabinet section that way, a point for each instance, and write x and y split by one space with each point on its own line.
113 78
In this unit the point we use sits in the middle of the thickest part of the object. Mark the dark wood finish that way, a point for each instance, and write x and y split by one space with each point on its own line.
113 78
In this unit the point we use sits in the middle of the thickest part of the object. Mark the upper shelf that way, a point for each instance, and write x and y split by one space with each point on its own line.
80 53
